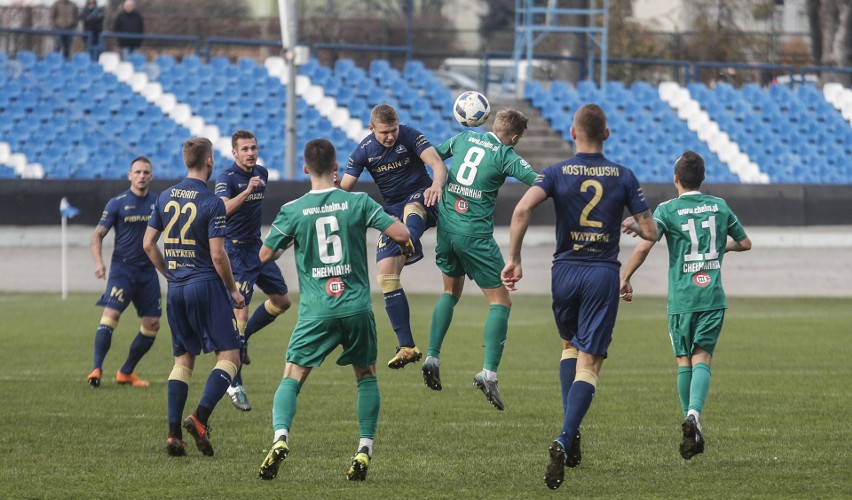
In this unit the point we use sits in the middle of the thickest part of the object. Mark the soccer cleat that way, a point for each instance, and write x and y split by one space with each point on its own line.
239 398
693 441
413 255
404 356
431 375
244 355
555 472
490 389
201 434
408 250
360 463
175 447
131 379
574 455
269 467
94 378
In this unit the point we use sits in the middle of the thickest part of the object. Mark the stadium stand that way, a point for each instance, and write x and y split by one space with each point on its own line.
80 119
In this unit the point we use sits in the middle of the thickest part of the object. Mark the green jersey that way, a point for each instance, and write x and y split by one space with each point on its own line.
696 227
328 228
481 164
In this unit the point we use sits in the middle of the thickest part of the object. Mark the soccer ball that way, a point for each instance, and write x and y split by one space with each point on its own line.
471 109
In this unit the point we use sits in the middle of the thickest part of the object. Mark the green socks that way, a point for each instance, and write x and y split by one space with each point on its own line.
684 380
284 403
442 316
699 387
496 327
369 403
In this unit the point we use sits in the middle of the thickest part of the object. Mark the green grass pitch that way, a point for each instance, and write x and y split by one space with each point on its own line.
777 421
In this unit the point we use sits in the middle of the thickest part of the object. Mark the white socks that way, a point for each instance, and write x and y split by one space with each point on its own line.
282 433
368 443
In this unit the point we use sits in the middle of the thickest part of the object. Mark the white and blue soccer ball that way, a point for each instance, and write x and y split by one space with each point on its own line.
471 109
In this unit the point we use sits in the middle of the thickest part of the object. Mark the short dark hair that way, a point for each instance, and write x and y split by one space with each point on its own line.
590 123
142 158
320 156
510 121
196 151
384 113
689 169
241 134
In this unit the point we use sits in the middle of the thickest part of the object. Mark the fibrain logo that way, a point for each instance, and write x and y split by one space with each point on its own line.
461 205
334 287
701 279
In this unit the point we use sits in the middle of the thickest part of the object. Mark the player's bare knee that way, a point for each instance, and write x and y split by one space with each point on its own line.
276 305
150 326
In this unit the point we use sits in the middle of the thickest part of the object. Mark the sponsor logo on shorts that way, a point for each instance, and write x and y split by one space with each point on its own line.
461 205
701 279
334 287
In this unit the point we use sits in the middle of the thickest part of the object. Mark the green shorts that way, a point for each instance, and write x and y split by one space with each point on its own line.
695 329
479 258
314 339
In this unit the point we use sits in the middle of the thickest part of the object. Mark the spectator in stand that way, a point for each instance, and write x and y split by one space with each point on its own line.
63 16
128 21
93 23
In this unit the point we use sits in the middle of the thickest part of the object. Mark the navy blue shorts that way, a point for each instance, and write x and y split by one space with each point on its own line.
386 247
250 271
201 318
585 304
128 284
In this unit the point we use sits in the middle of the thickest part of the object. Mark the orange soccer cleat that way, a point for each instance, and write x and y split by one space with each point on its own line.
131 379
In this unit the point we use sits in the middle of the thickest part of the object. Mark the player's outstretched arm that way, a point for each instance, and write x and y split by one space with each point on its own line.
268 255
223 267
640 253
738 246
513 272
96 247
348 182
398 232
430 157
642 225
149 244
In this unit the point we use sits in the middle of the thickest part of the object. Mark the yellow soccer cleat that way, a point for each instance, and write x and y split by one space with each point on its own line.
360 463
404 356
269 467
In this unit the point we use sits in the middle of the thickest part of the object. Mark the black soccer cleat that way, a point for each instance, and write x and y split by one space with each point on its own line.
555 472
574 455
693 441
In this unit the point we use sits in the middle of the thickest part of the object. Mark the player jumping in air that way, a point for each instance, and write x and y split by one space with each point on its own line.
466 246
396 156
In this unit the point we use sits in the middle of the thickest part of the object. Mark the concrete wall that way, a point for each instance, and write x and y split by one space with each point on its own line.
36 202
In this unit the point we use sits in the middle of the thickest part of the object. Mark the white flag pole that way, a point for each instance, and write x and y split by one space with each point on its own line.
64 257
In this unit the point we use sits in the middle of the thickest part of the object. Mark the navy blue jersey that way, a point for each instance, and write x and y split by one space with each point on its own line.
129 215
243 224
397 170
589 193
189 215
